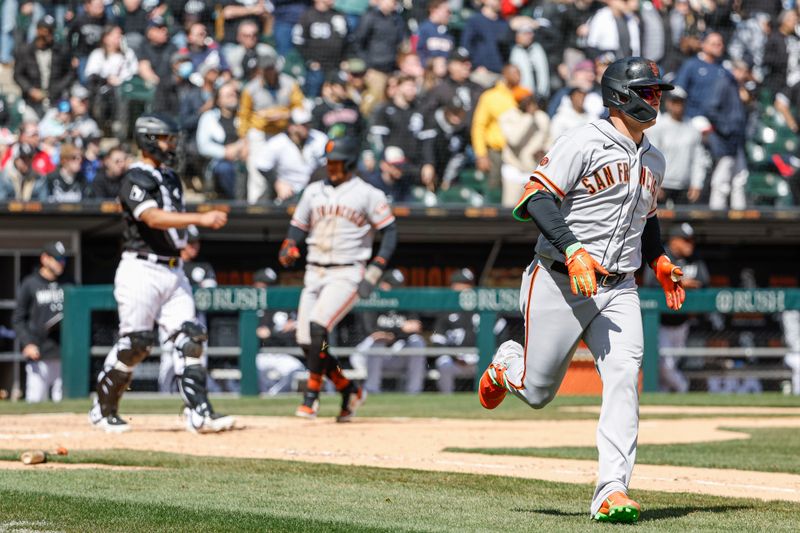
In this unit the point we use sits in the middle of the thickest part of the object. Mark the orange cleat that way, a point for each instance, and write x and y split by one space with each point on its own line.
492 390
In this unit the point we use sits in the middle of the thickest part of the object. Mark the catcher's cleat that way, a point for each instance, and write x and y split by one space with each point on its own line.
207 422
618 508
110 424
492 390
352 398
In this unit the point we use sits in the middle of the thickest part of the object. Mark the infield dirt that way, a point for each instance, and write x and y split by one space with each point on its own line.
418 443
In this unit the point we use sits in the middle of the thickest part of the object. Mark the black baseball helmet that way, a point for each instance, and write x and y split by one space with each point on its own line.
147 130
343 149
622 76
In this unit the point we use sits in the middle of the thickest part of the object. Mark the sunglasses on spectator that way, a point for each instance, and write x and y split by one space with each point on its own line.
648 93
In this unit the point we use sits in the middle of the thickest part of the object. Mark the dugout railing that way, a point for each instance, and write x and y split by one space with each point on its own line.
80 302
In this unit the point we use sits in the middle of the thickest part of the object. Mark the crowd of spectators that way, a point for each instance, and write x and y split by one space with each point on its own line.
445 95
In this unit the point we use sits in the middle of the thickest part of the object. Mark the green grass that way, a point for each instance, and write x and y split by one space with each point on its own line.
464 405
767 450
215 494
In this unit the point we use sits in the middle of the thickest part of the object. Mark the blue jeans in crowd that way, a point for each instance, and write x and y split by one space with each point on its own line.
282 32
314 81
224 172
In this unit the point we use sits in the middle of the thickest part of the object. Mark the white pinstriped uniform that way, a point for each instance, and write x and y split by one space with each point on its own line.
341 223
148 292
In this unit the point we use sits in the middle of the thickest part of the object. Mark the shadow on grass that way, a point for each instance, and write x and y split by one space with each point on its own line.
648 515
549 512
666 513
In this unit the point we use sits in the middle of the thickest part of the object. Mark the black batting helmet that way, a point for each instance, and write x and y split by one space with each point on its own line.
622 76
147 130
344 149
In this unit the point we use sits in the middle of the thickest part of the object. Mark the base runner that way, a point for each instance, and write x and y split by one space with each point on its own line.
337 218
593 198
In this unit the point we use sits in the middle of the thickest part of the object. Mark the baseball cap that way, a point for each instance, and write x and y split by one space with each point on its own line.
79 91
55 249
678 93
208 66
701 124
356 65
393 277
267 57
48 22
459 53
462 275
336 77
300 115
455 104
157 22
265 275
526 28
180 56
394 155
682 231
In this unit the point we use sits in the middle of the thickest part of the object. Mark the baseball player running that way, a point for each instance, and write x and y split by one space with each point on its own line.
593 198
337 218
150 285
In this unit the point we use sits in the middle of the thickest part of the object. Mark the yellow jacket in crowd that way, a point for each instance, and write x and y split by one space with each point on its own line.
486 132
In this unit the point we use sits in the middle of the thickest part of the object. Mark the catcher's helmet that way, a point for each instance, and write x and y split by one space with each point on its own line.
147 130
624 74
344 149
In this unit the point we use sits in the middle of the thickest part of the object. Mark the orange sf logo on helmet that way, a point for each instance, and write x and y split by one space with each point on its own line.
329 147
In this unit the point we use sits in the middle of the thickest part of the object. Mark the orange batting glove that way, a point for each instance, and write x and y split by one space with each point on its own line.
289 253
669 276
582 268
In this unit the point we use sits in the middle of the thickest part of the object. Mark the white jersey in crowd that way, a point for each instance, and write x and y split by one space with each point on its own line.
607 187
341 221
293 164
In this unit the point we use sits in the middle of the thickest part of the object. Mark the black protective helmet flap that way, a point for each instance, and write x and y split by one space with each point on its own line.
148 128
622 76
343 149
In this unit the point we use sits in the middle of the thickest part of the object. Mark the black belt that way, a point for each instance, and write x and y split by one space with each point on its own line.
333 265
171 262
603 281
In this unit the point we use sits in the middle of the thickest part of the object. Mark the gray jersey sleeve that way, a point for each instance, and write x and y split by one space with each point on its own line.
301 218
562 167
379 212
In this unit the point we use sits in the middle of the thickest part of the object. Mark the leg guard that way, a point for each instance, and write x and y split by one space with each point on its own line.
134 347
190 340
111 384
200 416
192 386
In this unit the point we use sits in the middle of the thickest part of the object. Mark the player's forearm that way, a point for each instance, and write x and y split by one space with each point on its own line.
388 242
652 248
542 207
296 234
159 219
